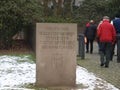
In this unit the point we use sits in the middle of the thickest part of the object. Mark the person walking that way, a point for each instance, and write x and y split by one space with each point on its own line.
90 33
116 24
106 33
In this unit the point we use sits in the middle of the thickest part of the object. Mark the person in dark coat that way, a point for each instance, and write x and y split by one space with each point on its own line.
116 24
90 34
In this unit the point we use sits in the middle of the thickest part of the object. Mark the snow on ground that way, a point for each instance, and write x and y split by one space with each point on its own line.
17 71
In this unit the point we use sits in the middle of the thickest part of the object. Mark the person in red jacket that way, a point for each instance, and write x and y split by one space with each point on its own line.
106 33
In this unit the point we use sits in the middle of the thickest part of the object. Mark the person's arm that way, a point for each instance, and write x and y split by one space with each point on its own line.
85 31
99 31
114 35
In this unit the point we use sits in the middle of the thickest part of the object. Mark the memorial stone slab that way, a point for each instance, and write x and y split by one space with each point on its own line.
56 45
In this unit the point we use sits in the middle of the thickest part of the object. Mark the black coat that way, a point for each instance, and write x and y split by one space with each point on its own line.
90 32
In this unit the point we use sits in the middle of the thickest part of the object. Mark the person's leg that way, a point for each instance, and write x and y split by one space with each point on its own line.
98 46
91 46
102 53
87 46
118 47
118 50
112 52
108 53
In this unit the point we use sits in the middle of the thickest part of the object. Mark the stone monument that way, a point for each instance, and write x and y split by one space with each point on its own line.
56 45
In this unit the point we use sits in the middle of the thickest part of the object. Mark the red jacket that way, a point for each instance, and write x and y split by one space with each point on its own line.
106 32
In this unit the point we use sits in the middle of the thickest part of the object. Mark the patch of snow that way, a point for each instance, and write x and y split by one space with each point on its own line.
15 72
90 81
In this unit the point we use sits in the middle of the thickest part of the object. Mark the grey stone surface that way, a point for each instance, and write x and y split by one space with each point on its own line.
56 45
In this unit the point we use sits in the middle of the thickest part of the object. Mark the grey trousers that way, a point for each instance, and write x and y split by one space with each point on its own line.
105 52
